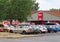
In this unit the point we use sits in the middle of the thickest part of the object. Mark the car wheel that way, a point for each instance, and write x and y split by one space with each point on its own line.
24 32
55 31
11 31
6 31
49 31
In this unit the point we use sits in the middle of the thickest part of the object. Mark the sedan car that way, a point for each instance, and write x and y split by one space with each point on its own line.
21 29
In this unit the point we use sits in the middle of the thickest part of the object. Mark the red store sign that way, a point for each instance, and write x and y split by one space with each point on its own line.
40 16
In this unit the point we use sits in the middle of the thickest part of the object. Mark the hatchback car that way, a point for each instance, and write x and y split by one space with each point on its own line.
39 28
35 29
42 28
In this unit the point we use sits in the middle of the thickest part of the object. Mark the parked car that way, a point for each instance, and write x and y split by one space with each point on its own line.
2 28
39 28
7 27
58 27
51 27
21 29
42 28
35 29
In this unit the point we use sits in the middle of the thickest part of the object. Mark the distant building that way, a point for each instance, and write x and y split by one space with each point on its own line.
51 16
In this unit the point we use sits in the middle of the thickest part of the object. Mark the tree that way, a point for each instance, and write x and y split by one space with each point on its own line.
54 9
2 9
35 6
16 9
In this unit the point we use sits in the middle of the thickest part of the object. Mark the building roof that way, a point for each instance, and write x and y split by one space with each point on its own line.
53 12
47 15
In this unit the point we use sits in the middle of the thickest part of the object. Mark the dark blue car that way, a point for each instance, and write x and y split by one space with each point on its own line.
51 27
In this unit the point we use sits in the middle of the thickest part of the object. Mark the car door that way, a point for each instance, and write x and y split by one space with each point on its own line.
20 29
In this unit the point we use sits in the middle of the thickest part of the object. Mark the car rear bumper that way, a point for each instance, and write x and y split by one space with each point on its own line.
44 31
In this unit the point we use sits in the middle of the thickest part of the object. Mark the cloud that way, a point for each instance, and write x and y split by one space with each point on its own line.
48 4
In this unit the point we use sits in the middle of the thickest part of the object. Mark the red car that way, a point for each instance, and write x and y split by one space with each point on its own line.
1 28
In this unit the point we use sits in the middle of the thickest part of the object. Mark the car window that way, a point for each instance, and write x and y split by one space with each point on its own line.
25 26
20 26
34 26
49 24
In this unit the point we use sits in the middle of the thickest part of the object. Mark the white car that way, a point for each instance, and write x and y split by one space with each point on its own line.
7 27
42 28
39 28
36 28
21 29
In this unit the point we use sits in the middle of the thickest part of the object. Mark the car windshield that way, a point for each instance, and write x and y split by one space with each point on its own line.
41 26
34 26
24 25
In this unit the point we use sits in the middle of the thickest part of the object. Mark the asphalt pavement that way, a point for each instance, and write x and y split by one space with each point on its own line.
48 37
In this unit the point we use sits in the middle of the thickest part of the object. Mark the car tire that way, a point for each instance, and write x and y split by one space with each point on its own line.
55 31
11 31
24 32
6 31
49 31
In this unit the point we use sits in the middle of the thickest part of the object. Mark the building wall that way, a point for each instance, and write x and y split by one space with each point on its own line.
47 16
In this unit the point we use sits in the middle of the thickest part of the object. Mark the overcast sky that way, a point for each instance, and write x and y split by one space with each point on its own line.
48 4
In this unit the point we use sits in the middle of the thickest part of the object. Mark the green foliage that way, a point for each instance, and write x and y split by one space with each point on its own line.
2 9
15 9
54 9
35 7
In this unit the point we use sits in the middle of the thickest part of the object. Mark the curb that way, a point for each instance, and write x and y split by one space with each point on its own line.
18 37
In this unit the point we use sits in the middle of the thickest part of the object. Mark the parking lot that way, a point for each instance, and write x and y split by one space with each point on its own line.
28 30
48 37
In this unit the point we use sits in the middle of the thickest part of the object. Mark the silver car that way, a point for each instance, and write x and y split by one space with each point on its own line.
39 28
21 29
42 28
